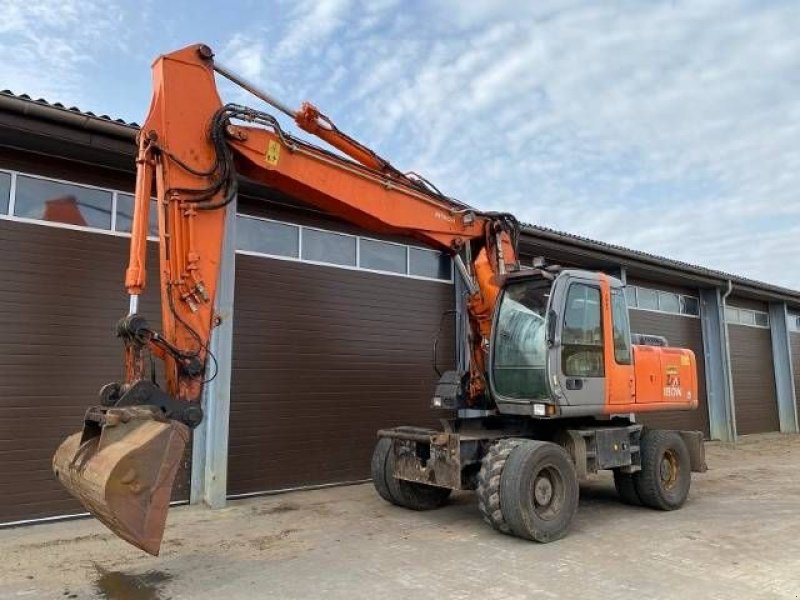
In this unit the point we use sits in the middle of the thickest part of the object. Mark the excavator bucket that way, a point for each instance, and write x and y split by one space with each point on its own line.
121 467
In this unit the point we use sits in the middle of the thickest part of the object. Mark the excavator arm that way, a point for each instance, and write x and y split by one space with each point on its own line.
191 151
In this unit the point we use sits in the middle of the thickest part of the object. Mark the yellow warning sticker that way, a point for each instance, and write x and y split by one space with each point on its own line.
273 153
684 360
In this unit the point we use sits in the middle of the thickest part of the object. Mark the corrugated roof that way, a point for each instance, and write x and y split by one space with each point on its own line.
72 109
530 229
646 257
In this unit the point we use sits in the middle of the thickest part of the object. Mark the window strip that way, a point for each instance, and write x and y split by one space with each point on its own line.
634 305
114 210
12 194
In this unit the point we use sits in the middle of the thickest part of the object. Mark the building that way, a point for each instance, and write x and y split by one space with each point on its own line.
327 347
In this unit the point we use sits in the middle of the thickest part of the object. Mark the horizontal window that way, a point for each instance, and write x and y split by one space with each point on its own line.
661 301
45 199
647 299
62 203
277 239
328 247
5 192
267 237
429 263
690 306
382 256
125 215
669 302
630 295
745 316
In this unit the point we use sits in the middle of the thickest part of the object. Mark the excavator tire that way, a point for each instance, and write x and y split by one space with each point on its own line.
539 491
488 490
378 469
626 488
408 494
665 478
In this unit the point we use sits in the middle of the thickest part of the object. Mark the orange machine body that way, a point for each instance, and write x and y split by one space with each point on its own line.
657 378
666 378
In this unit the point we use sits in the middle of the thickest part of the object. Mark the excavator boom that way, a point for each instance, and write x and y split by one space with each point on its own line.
191 150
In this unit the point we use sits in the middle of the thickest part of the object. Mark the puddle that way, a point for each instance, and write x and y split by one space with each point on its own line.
116 585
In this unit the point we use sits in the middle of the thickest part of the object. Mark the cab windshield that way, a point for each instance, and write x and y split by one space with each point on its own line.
520 346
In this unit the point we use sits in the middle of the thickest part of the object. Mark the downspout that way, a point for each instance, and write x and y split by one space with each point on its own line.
729 366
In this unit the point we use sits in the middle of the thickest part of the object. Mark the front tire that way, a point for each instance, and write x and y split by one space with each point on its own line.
488 490
665 478
539 491
408 494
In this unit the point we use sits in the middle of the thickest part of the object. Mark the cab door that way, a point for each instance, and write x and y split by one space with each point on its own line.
591 358
577 354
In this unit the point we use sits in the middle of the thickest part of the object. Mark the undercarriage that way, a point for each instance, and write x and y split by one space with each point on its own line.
526 471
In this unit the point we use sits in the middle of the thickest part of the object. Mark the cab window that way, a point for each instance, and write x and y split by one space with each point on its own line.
582 336
619 318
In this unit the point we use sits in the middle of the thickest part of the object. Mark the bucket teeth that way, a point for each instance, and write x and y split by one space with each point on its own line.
121 467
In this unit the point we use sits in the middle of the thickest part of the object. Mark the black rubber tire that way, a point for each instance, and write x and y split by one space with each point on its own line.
548 466
378 469
663 487
626 488
488 490
408 494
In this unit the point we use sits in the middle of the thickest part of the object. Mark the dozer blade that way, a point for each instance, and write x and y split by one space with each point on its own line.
122 467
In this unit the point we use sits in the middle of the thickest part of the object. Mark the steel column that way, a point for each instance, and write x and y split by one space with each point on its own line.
210 441
719 385
782 363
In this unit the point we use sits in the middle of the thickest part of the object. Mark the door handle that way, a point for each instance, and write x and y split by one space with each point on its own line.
574 383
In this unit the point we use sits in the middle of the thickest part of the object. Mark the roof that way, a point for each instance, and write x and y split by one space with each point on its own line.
621 252
57 111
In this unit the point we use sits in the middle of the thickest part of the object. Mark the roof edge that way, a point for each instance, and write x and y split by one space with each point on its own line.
692 271
73 117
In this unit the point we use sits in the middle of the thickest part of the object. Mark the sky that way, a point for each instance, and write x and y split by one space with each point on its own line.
668 127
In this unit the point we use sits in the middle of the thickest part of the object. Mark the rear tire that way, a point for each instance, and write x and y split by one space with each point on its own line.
665 478
488 490
626 488
408 494
378 469
539 491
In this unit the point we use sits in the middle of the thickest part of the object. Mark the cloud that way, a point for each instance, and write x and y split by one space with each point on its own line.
672 128
48 45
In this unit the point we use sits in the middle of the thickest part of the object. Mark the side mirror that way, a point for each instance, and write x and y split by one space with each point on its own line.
552 321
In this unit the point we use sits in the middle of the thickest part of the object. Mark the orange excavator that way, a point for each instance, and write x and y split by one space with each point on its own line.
545 396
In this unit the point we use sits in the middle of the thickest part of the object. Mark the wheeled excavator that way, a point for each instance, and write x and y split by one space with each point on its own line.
546 394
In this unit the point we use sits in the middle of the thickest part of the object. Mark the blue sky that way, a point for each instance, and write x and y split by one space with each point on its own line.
670 127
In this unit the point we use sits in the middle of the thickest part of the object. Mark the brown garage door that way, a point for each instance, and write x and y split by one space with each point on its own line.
754 393
60 295
324 357
681 332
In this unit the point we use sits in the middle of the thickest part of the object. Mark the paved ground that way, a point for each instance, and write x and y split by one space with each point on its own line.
737 537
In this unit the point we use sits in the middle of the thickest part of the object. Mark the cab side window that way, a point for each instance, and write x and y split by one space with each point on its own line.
619 317
582 336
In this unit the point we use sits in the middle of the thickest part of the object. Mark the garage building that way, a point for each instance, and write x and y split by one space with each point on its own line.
333 326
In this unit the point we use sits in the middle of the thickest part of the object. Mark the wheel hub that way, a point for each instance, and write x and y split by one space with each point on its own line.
543 490
668 469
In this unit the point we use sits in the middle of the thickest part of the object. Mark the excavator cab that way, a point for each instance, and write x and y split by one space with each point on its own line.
562 346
